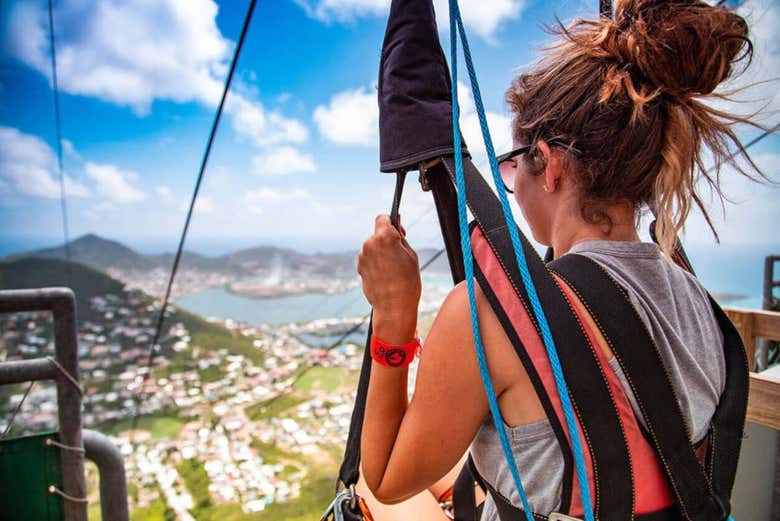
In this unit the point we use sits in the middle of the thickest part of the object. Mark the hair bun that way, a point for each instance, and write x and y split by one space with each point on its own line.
683 48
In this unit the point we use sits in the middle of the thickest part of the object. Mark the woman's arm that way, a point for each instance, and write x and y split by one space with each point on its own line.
406 447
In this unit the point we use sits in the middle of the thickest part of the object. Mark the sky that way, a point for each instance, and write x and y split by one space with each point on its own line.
295 162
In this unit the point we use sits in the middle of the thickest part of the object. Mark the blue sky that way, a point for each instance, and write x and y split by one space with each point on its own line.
295 162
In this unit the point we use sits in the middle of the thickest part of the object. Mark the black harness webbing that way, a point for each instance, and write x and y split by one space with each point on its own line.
588 387
509 512
349 473
464 488
701 497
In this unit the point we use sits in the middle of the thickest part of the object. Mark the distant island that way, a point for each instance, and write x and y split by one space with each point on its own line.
727 297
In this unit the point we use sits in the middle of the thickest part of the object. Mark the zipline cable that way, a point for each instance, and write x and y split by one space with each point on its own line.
57 120
63 196
204 162
755 140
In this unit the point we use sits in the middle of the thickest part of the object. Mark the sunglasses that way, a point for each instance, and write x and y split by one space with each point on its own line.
508 168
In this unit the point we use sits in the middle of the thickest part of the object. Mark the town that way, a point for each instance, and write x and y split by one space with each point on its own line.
232 415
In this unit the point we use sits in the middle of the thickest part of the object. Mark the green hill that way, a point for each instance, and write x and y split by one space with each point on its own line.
96 252
38 273
87 283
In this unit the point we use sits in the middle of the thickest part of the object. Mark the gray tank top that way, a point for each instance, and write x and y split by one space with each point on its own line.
677 312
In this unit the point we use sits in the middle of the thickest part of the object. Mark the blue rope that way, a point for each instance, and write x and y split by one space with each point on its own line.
533 297
468 262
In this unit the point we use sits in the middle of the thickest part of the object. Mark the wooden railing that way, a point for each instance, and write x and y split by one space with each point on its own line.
764 398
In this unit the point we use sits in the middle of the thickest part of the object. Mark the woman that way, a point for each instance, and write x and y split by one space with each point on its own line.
607 122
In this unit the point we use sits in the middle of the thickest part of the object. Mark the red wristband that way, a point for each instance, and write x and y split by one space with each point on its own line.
390 355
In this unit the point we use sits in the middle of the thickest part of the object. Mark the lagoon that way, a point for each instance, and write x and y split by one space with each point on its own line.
734 272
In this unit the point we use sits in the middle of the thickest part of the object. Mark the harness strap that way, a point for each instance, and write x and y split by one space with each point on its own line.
599 420
678 256
464 500
728 422
506 510
349 472
699 496
464 497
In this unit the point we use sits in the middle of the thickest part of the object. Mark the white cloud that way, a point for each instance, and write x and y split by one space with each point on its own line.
761 80
343 10
263 128
128 52
28 166
351 118
69 150
164 193
283 161
133 52
484 17
499 125
113 184
203 205
752 214
265 198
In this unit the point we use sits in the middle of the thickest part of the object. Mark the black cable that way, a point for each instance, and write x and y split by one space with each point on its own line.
56 91
756 140
183 237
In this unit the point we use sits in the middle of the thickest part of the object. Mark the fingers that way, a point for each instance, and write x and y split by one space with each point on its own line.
385 234
383 222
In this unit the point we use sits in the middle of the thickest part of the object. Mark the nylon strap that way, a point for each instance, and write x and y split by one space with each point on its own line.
728 422
701 497
589 391
349 473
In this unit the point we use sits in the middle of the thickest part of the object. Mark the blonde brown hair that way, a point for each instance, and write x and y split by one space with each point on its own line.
627 92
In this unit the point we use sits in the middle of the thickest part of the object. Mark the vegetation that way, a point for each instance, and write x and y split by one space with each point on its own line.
193 473
270 452
164 425
328 379
157 511
93 493
274 407
214 336
316 494
317 486
36 273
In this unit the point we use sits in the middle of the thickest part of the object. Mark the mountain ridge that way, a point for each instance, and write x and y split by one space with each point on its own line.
107 254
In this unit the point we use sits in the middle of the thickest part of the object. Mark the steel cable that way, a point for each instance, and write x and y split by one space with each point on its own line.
204 162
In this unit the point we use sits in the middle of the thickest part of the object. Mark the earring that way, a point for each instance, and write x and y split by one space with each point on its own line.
545 188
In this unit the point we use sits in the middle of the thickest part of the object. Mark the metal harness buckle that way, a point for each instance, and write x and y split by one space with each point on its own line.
334 510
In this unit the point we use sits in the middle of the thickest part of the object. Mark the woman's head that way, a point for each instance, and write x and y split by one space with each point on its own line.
624 93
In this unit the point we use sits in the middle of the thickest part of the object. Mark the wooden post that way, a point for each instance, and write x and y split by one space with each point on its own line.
769 304
743 321
769 282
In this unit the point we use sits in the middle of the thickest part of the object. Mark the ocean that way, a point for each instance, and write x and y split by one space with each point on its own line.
735 279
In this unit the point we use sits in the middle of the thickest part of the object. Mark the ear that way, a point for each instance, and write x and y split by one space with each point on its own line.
553 169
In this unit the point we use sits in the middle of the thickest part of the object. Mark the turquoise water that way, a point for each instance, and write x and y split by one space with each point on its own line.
217 302
738 272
